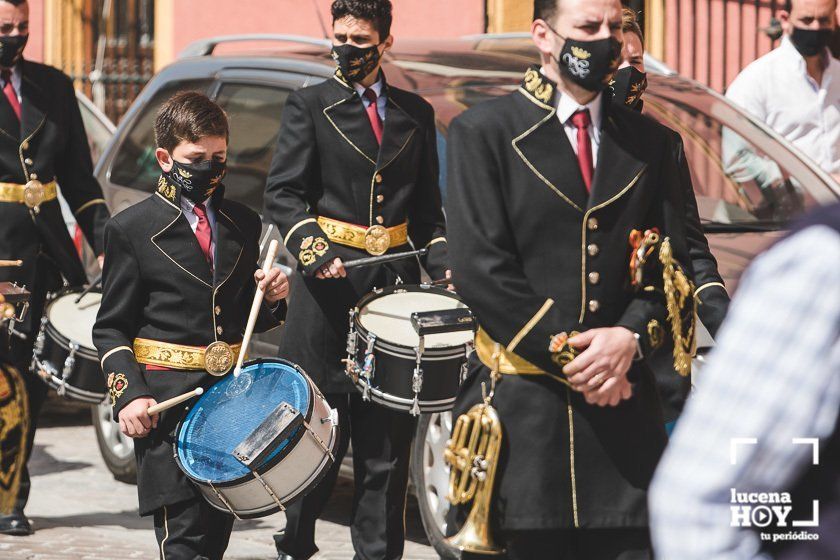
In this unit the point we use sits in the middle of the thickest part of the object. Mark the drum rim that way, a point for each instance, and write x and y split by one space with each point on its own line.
430 406
59 337
73 393
83 351
439 351
274 461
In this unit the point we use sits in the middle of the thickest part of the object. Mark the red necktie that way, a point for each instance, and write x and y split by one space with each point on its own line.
9 90
203 232
581 121
373 115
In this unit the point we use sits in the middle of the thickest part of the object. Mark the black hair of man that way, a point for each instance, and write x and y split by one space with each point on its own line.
378 12
14 2
546 10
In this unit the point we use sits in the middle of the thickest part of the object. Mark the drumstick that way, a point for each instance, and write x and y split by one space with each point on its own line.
368 261
175 401
255 307
11 263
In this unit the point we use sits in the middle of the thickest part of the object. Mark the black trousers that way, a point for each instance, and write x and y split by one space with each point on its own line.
381 451
192 530
574 544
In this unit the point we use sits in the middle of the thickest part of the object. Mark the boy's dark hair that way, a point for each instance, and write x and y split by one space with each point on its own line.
545 9
14 2
188 116
377 12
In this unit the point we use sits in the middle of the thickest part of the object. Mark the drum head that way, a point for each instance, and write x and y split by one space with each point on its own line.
389 318
229 411
74 320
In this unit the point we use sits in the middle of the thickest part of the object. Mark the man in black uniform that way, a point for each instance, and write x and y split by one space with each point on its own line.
177 291
547 185
42 141
628 88
355 174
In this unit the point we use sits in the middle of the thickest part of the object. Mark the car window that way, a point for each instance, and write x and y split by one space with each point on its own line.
98 132
737 183
254 112
135 165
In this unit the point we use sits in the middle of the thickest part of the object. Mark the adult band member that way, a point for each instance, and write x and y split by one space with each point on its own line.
628 88
177 290
547 185
355 173
42 143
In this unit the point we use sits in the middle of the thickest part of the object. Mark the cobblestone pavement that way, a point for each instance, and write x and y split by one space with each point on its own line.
80 512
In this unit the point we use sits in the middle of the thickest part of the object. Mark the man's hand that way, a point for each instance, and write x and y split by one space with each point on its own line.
607 357
101 260
275 285
334 269
135 421
450 286
613 391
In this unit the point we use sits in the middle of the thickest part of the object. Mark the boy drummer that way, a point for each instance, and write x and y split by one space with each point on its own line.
177 283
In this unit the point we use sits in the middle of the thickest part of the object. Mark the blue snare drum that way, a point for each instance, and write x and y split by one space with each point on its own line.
256 442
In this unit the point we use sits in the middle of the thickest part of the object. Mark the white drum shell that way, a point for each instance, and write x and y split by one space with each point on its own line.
299 471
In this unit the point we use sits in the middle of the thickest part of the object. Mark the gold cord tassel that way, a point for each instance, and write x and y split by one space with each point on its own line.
679 292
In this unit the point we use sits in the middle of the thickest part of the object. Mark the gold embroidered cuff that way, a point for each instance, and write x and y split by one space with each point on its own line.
376 240
216 359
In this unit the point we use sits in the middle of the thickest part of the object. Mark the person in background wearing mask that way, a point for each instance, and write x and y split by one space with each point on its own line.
355 174
628 87
795 89
546 188
177 280
42 143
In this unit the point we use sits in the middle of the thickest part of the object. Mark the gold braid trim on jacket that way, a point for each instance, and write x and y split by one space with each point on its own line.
681 306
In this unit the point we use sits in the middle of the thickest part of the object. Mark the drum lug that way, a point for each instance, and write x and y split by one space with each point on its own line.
469 348
368 367
417 378
70 362
39 340
223 500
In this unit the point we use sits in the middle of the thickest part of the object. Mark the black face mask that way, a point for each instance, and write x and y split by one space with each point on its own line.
11 49
810 42
196 181
589 64
356 63
628 85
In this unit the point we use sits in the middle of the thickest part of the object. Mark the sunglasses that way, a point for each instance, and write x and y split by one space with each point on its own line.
8 28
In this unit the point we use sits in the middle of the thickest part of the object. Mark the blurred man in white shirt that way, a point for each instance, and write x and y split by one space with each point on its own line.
795 89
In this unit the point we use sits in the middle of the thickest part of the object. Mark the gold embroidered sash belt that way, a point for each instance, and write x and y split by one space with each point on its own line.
215 359
376 240
34 193
509 363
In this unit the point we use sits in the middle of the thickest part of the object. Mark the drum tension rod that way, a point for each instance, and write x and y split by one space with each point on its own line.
224 500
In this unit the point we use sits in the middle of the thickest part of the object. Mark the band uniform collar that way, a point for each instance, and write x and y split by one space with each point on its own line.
381 83
538 87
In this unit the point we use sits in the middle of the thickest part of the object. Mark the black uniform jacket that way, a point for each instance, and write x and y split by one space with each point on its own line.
328 163
158 285
48 143
533 255
711 296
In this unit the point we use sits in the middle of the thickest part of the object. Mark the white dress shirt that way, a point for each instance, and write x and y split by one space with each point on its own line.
774 376
188 207
566 107
777 90
381 100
